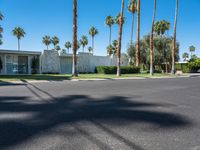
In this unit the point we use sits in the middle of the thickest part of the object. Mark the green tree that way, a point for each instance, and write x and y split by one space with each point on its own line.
115 46
174 39
185 56
93 32
19 33
151 40
84 41
192 49
47 41
131 53
109 22
55 41
132 8
57 48
68 45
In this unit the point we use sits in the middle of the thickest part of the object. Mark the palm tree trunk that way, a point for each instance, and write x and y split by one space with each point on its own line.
174 40
47 47
18 44
119 40
93 43
132 28
138 35
151 40
110 35
74 65
166 66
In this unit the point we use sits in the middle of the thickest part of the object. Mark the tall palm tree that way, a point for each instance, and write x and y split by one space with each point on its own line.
93 31
151 39
47 41
109 22
185 56
132 7
1 29
74 47
120 23
19 33
138 35
84 41
1 16
68 45
55 41
191 49
174 40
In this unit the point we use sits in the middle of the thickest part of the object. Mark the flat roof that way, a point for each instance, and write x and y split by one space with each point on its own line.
19 52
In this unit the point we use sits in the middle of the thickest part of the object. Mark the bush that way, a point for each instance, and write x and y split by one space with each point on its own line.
113 69
194 65
182 67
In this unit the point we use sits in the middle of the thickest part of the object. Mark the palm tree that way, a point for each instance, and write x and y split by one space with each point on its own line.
57 47
19 33
151 40
90 49
74 47
55 41
93 31
120 23
185 56
192 49
115 46
109 22
138 35
174 40
47 41
132 7
110 50
1 29
68 45
84 41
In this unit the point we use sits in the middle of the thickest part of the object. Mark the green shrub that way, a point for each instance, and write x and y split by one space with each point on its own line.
182 67
194 65
113 69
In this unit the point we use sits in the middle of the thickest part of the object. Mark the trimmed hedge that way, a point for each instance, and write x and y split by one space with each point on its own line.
113 70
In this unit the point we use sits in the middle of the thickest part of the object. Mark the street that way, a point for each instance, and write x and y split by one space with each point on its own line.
143 114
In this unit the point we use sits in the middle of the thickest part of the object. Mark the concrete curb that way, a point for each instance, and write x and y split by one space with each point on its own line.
95 79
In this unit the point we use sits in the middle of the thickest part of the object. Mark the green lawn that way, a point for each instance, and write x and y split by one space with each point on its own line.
68 77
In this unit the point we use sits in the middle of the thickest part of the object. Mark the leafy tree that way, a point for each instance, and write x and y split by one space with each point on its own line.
84 41
194 56
131 53
110 50
185 56
47 41
35 65
109 22
19 33
132 8
1 64
68 45
55 41
93 32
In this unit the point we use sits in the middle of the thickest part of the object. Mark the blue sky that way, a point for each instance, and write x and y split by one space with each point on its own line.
54 17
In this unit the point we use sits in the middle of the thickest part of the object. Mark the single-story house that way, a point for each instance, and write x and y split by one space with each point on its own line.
17 62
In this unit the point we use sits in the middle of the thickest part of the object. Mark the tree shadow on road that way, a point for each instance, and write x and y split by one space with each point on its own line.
45 115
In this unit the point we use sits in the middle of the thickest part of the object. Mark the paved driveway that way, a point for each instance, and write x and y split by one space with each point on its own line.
151 114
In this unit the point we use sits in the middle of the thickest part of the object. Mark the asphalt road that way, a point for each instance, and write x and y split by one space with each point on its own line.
150 114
